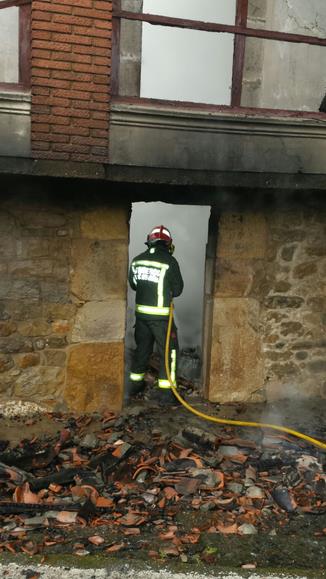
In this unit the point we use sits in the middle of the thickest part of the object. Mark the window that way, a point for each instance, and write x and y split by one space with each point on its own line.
15 44
188 65
267 54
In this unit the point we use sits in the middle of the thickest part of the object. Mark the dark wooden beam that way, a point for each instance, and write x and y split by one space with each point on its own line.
116 27
25 45
214 27
239 53
10 3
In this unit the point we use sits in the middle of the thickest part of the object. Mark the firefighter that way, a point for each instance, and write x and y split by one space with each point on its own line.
156 278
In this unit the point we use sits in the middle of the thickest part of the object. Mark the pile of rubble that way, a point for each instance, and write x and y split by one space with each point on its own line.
149 483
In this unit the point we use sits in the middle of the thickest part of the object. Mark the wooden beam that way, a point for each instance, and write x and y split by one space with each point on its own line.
25 45
116 28
11 3
239 53
214 27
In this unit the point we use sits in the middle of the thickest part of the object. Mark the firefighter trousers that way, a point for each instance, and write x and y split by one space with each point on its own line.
148 332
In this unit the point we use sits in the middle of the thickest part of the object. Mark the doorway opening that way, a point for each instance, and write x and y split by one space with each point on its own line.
188 225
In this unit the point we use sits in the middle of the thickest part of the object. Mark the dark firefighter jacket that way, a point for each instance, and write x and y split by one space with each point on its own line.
155 276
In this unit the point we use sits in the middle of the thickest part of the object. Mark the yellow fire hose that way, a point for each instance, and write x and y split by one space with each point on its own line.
224 420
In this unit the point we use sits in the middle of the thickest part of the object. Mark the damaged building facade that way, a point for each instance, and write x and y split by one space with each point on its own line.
79 143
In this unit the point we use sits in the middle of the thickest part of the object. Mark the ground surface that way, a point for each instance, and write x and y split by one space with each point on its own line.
167 489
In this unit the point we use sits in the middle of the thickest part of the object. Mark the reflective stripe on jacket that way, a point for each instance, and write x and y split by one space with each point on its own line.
156 278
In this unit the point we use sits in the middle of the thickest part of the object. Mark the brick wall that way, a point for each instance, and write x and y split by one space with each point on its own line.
71 66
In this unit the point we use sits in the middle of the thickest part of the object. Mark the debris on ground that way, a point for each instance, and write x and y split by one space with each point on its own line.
162 486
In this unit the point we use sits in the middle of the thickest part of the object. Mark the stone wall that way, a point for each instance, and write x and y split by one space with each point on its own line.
268 330
284 75
63 267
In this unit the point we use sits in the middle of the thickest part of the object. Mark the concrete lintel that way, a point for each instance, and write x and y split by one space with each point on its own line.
15 103
148 177
168 117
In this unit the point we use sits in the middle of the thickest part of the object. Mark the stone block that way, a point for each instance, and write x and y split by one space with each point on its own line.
34 328
99 269
6 362
14 344
95 377
280 301
24 310
236 365
100 322
55 357
232 278
105 223
7 223
304 269
30 267
32 248
7 247
54 311
7 328
56 342
36 219
242 236
40 384
55 291
28 360
5 287
24 289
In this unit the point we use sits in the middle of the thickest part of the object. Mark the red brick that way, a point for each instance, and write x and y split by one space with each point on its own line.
63 74
99 115
52 7
71 148
51 64
52 82
74 131
40 35
89 13
51 26
71 94
92 50
77 20
63 121
51 45
71 38
101 133
39 15
54 138
103 24
100 150
40 91
104 42
50 155
100 5
40 127
40 108
41 146
89 31
90 105
95 141
36 53
40 72
91 123
71 112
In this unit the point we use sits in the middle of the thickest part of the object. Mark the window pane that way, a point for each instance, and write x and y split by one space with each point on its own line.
188 65
9 34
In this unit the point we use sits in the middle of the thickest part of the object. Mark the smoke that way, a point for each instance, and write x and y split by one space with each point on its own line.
188 225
